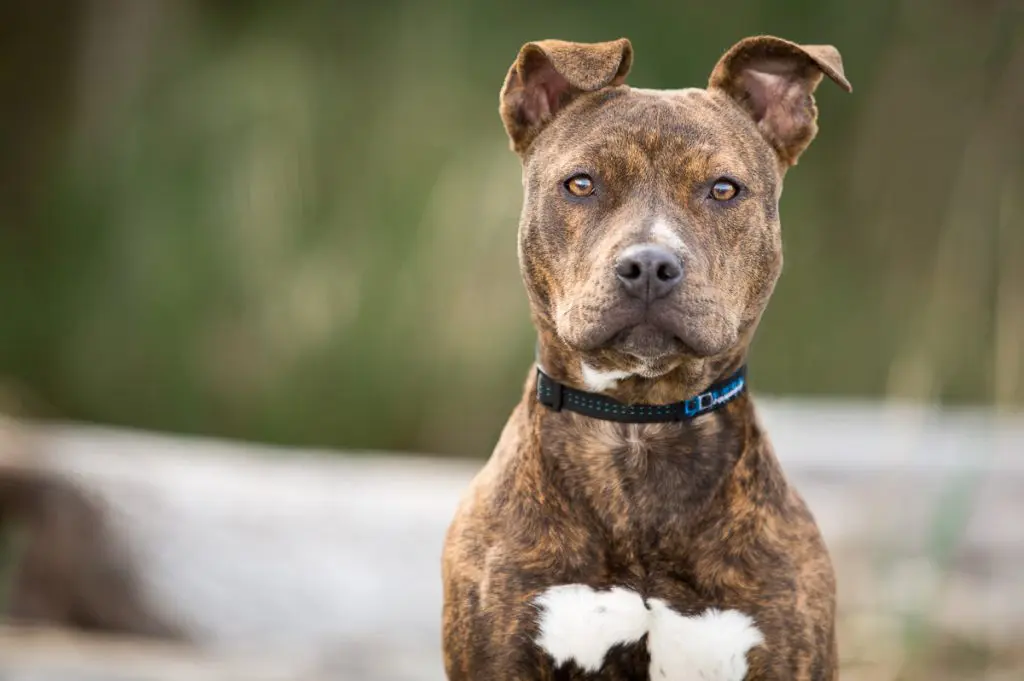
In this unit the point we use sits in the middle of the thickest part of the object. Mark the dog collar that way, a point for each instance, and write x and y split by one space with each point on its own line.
557 397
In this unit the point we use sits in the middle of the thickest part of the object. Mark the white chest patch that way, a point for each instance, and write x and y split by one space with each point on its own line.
711 646
597 380
581 624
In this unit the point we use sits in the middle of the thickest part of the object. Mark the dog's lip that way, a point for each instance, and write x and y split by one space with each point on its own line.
666 343
616 334
679 320
681 346
684 351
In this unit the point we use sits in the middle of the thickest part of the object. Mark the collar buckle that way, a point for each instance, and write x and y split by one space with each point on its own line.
698 404
549 392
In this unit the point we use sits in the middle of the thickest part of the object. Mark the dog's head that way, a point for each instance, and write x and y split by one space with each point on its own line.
649 238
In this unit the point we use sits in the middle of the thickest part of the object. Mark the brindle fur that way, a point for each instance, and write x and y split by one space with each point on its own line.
697 513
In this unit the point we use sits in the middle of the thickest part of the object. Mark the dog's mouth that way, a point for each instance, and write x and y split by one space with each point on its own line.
657 333
648 342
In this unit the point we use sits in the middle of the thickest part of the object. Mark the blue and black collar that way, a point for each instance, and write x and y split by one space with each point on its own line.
557 397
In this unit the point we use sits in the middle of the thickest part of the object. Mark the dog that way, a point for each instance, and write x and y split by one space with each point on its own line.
633 521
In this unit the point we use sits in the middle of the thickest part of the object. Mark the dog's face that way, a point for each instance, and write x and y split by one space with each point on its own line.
650 227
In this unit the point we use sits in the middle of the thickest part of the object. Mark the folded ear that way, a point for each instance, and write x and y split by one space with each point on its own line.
549 74
774 80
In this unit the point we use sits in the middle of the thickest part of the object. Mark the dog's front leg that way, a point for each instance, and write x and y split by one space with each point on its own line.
490 641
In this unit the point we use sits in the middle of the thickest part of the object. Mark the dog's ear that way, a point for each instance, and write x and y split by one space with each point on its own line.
774 80
549 74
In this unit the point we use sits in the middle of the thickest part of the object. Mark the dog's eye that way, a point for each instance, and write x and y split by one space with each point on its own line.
723 190
580 185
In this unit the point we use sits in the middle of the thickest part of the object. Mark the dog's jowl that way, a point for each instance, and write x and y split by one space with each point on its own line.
633 522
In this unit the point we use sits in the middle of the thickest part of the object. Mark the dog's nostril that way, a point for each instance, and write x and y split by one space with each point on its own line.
629 269
667 272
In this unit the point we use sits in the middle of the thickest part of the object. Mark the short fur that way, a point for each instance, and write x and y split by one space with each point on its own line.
697 515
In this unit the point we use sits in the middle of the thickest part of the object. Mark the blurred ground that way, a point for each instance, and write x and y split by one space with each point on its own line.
327 566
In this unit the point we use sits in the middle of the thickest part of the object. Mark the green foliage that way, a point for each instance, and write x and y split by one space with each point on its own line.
297 223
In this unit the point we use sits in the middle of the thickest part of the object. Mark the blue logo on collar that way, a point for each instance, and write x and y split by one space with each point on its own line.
714 397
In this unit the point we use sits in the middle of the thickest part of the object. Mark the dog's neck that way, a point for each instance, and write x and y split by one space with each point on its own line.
678 381
615 469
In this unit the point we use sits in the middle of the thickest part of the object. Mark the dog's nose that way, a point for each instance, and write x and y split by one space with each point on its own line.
648 272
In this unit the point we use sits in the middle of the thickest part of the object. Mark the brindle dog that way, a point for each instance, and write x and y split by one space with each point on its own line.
649 243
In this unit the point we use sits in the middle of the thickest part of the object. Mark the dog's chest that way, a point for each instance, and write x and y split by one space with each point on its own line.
644 486
641 610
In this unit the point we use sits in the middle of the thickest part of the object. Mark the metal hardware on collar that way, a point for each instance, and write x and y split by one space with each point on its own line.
557 397
550 395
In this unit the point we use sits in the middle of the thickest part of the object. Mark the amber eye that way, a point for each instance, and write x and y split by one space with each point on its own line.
580 185
723 190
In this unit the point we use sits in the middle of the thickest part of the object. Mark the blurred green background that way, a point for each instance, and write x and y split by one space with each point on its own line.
296 222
